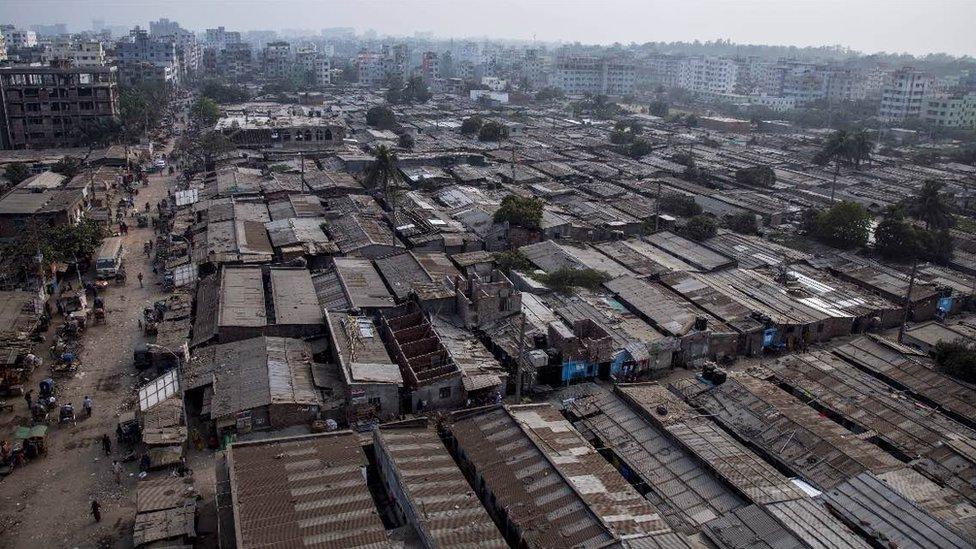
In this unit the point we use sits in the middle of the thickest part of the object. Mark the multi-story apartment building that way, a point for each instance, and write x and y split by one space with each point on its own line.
18 38
235 60
375 69
188 49
276 60
605 76
315 66
221 37
708 75
430 66
535 68
86 53
143 59
951 111
50 107
803 82
904 95
3 48
660 70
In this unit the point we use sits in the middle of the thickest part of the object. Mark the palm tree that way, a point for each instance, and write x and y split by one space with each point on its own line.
835 149
383 174
932 206
859 147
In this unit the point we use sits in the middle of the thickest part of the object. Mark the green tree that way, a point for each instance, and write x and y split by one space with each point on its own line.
844 225
64 243
549 94
69 166
895 238
680 205
493 131
205 112
699 228
15 173
859 147
658 108
756 176
381 117
565 279
222 93
202 150
639 148
520 212
512 260
406 141
931 206
742 223
956 359
834 149
383 175
471 125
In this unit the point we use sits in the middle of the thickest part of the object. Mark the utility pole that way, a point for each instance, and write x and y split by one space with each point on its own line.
908 300
518 362
657 207
301 154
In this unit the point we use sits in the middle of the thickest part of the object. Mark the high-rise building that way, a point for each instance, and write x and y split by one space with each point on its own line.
604 76
18 38
276 60
50 107
77 53
904 95
144 59
708 75
951 111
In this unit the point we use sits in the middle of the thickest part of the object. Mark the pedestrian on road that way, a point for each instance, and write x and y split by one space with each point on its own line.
106 444
29 397
96 510
139 276
117 469
87 405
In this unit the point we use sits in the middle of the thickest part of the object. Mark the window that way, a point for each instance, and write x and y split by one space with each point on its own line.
84 78
445 392
33 107
374 401
84 92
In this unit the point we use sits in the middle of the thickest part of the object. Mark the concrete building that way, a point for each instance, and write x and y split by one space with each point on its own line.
235 61
142 58
314 67
951 111
603 76
904 95
708 75
86 53
17 39
276 60
46 107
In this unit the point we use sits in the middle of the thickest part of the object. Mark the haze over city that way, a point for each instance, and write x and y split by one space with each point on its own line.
916 27
694 274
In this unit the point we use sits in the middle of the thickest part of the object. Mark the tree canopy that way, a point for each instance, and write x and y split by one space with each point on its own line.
931 206
381 117
520 212
549 93
205 111
844 225
493 131
414 91
565 279
471 125
699 228
756 176
742 223
63 243
223 93
15 173
957 359
680 205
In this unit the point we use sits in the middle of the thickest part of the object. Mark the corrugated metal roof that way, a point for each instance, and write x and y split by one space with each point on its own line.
733 462
878 512
686 492
163 493
294 297
446 510
307 491
242 298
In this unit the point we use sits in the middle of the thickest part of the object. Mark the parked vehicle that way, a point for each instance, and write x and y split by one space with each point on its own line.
108 262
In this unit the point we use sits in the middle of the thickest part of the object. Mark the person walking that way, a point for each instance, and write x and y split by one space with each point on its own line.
106 444
87 406
117 470
96 510
139 276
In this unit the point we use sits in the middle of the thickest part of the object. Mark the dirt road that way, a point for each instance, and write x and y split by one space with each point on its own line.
47 503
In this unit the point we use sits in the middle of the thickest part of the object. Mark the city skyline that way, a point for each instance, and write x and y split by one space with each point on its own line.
937 26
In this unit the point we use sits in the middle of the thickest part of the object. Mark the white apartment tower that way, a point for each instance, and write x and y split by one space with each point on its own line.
904 95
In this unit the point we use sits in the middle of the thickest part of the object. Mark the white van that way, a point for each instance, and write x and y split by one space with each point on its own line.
108 262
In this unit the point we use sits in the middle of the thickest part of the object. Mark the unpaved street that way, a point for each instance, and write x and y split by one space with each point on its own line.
47 503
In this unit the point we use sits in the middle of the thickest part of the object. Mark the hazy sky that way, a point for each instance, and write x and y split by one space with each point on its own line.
918 26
